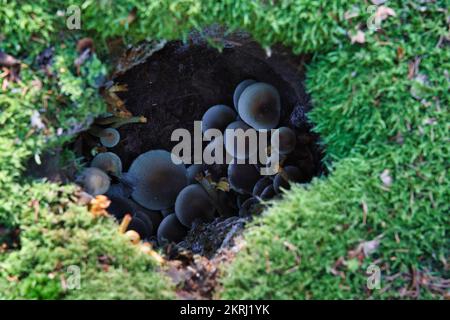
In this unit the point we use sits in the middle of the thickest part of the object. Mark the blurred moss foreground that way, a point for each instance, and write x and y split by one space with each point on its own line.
380 102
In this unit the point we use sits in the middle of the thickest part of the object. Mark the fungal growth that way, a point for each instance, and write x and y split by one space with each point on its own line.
171 230
167 204
193 204
238 148
159 179
94 181
243 177
283 140
259 106
108 162
109 137
239 89
218 117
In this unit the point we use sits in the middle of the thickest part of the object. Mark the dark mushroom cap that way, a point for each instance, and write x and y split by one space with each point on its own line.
268 193
192 171
154 216
292 173
243 177
260 106
120 206
261 185
119 190
159 179
218 117
140 227
247 206
239 89
108 162
146 219
94 181
193 204
228 141
171 230
110 137
286 140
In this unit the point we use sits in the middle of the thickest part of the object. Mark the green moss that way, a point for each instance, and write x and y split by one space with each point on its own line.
363 109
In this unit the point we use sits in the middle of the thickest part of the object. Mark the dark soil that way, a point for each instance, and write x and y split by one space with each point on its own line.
177 84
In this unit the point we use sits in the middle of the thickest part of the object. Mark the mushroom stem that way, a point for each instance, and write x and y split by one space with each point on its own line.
124 121
124 224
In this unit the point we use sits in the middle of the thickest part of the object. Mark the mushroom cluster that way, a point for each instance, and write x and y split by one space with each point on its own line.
166 198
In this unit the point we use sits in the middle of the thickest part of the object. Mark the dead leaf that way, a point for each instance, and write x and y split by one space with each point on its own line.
400 53
383 13
84 44
7 60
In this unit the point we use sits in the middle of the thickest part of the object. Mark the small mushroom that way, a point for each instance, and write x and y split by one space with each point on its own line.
283 140
120 206
159 179
146 219
171 230
268 193
243 177
109 137
239 89
287 175
248 206
259 106
238 145
94 181
193 171
193 204
261 185
154 216
140 227
218 117
108 162
133 236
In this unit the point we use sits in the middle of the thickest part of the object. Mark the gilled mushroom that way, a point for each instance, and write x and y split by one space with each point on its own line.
239 89
171 230
259 106
159 179
193 204
108 162
218 117
109 137
287 175
243 177
94 181
283 140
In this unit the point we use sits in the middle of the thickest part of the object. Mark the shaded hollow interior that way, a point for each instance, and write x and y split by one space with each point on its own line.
177 84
